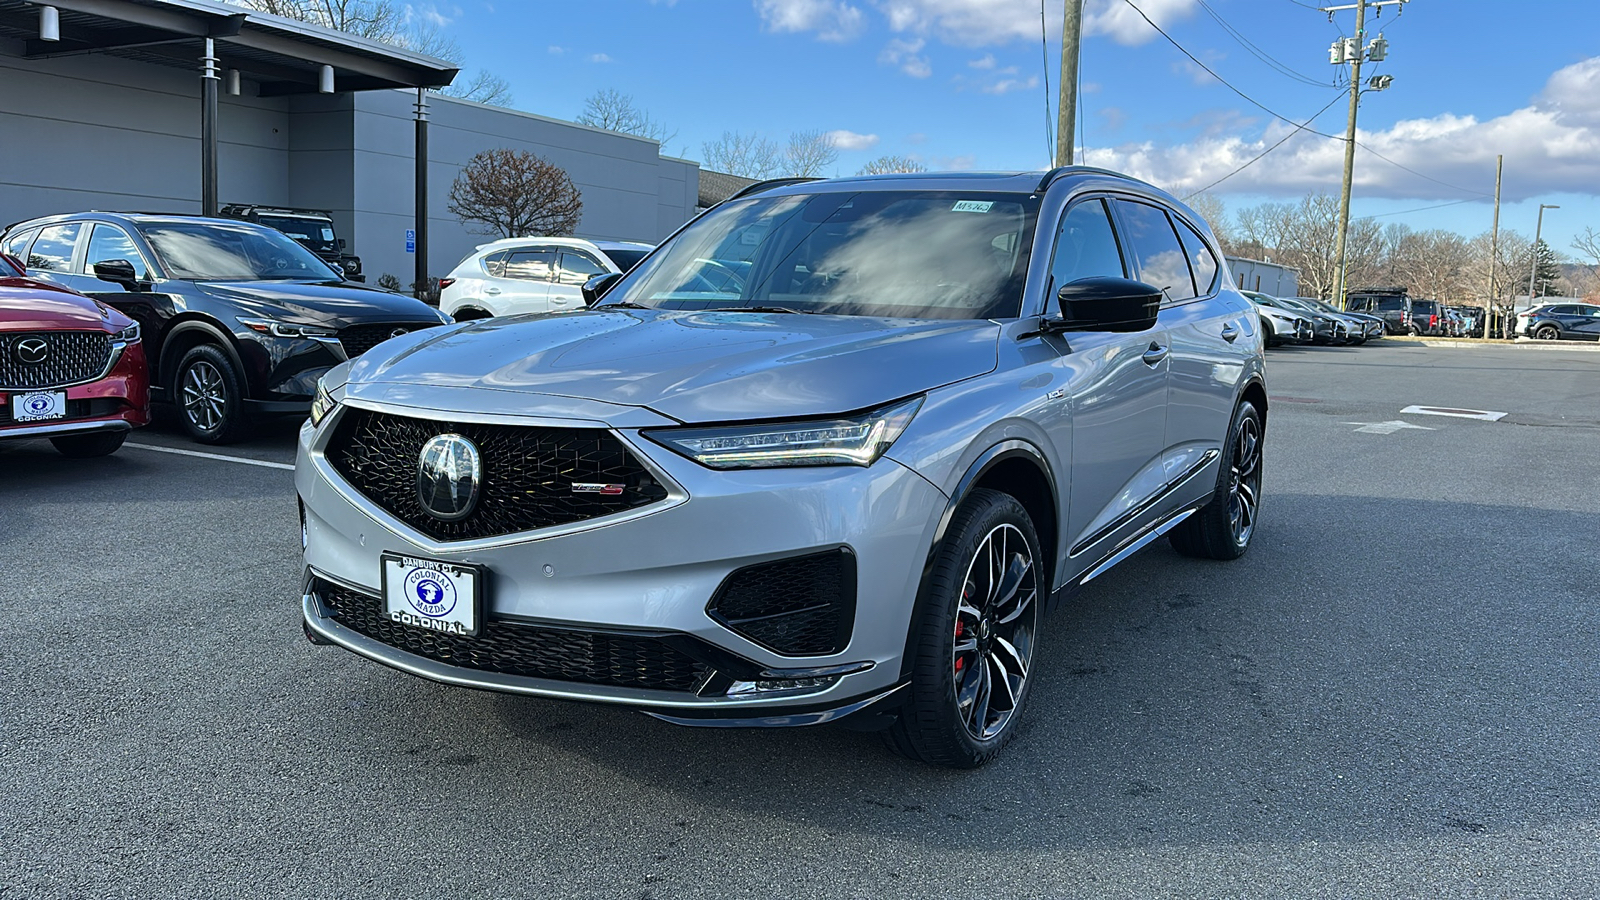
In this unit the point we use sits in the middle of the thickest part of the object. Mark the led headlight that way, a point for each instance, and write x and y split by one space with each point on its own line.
286 329
849 441
129 335
322 404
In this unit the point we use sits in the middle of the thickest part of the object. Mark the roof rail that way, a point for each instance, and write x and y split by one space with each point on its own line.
1050 178
768 185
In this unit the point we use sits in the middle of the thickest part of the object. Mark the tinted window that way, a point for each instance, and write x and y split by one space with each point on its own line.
530 265
18 243
1202 263
314 233
109 242
1563 310
911 254
53 250
625 259
495 263
1425 307
1391 303
576 268
1085 246
1154 244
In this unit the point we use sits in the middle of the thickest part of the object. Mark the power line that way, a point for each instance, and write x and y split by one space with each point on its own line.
1049 114
1419 174
1256 51
1423 208
1280 143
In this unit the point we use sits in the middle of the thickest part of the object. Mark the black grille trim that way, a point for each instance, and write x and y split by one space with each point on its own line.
528 473
617 659
800 606
358 339
75 357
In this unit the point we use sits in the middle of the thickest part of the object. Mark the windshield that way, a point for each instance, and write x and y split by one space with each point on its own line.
625 259
902 254
212 251
314 233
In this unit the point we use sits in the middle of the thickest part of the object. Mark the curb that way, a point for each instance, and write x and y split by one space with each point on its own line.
1582 346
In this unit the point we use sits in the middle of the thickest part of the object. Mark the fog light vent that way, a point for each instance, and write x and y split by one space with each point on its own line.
801 606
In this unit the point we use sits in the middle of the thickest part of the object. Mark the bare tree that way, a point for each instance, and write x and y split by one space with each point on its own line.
1210 207
514 193
809 153
1302 235
745 155
1588 244
614 111
483 87
884 165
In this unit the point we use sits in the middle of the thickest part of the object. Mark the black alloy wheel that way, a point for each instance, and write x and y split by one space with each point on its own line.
1547 333
973 653
1222 529
209 395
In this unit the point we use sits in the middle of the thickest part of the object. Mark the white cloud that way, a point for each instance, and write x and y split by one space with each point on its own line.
1120 22
904 54
1550 146
979 23
832 20
849 140
556 51
599 58
916 137
1007 85
431 15
987 62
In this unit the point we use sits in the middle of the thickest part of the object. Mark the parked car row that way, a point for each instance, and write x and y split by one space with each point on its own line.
1307 320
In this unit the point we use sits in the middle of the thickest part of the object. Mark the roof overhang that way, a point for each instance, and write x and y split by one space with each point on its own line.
284 55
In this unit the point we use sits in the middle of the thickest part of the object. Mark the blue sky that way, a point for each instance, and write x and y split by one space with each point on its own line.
960 84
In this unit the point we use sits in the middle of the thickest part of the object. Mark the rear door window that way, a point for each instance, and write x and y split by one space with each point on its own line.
495 263
53 251
1201 261
17 245
530 265
1160 258
576 268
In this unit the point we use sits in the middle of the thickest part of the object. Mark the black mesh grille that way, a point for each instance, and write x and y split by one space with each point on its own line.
528 473
511 648
803 606
71 357
358 339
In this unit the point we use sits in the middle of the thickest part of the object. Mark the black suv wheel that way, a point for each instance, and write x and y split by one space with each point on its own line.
1222 528
210 395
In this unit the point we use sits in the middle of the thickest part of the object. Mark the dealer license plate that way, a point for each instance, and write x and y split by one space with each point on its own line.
431 594
39 406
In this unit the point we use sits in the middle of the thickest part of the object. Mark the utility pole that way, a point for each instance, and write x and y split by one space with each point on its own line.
1349 50
1494 251
1067 107
1533 267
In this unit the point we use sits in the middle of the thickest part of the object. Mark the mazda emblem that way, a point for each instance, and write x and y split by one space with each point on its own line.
32 350
448 472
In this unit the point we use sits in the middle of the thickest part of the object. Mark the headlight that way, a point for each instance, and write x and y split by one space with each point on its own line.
851 441
445 317
286 329
129 335
322 404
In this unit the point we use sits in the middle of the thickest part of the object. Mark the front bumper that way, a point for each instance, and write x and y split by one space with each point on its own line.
119 401
650 574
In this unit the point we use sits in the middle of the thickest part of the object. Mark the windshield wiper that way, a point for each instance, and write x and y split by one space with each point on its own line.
762 309
621 304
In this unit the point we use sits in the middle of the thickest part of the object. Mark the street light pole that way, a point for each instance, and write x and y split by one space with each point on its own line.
1533 267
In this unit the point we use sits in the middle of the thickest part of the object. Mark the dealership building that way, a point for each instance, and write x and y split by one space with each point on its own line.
177 105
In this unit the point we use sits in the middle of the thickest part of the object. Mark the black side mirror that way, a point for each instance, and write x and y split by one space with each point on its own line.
1107 304
596 287
118 271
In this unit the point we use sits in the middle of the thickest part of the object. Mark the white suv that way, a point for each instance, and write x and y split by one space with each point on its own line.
531 275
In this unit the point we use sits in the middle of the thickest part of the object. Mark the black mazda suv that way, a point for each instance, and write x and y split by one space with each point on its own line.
239 321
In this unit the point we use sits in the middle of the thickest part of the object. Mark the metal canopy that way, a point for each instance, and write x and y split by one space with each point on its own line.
284 56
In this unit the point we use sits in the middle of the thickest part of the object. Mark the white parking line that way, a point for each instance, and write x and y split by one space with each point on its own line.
1387 427
1453 413
233 459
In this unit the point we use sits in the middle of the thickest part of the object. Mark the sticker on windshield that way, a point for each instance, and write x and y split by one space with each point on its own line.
972 206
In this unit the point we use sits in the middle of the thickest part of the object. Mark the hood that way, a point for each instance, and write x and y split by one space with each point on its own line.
697 366
28 305
330 303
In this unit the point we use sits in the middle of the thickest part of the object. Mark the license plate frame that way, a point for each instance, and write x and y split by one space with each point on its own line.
458 586
25 406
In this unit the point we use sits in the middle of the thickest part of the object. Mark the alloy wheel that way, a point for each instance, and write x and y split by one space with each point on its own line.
1244 492
1546 333
205 395
994 632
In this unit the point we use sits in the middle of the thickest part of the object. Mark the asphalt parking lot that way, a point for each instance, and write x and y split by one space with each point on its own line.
1396 693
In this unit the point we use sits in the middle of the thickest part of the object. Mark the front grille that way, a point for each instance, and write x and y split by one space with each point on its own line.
72 357
76 409
804 606
358 339
510 648
527 481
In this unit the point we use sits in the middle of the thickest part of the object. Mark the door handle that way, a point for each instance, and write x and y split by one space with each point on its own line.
1229 332
1155 354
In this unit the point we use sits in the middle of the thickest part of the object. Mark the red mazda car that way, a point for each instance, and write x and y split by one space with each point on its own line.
71 369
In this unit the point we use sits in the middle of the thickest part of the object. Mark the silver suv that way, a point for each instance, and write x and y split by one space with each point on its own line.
826 454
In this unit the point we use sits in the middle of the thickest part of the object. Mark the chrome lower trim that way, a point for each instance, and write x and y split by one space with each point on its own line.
793 720
1123 520
1136 544
78 427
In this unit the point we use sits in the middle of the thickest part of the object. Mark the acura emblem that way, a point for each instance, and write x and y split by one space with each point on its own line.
398 332
448 473
32 350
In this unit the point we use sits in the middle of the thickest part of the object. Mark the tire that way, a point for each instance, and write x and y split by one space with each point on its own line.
88 446
1547 333
1222 529
470 313
973 623
1272 339
210 396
